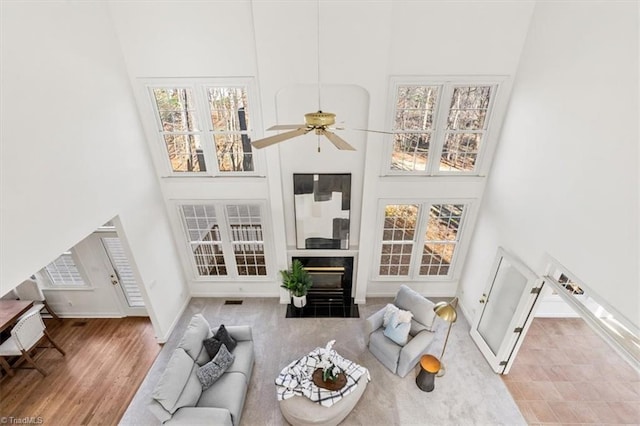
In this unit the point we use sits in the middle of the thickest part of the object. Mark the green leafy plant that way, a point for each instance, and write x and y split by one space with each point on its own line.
297 280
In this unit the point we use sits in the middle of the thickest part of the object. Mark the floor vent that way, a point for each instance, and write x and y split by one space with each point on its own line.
78 324
233 302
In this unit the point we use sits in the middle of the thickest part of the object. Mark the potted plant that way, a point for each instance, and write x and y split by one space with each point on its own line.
298 281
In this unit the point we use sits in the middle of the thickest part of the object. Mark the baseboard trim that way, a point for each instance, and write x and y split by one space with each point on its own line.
88 315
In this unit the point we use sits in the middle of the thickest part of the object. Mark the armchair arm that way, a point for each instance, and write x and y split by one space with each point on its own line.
373 323
412 351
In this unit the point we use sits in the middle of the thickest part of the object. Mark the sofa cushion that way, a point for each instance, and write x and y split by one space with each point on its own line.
396 330
420 307
201 416
192 390
244 359
228 392
197 330
211 371
175 388
225 338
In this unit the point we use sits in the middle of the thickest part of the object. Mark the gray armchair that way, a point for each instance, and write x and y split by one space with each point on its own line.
402 359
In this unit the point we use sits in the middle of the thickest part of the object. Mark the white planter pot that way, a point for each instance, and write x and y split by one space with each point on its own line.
299 302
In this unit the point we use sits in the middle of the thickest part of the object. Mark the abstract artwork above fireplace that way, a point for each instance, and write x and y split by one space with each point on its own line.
322 206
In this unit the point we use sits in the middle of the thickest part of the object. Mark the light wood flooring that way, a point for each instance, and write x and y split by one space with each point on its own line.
105 362
566 374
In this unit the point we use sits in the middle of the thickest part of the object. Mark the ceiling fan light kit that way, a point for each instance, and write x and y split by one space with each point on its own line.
320 119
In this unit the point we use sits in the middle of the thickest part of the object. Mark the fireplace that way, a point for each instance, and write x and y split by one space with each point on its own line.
330 295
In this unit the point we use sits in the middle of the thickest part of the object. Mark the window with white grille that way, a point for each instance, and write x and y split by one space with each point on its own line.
245 228
203 234
441 237
398 235
439 128
179 128
226 239
419 241
205 125
63 272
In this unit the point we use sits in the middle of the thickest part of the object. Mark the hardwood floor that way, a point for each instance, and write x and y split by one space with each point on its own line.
106 361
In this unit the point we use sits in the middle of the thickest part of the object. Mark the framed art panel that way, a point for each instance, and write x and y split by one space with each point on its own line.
322 205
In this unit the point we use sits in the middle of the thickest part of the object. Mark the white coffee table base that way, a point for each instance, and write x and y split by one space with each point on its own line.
300 411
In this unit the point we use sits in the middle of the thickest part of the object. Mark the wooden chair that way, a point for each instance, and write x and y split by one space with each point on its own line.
25 336
29 290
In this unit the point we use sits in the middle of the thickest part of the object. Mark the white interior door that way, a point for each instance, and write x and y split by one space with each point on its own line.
505 308
128 287
116 269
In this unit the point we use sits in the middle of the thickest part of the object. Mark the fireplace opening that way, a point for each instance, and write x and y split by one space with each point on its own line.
328 282
330 295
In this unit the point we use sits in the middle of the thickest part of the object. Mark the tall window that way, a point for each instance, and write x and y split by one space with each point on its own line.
441 238
413 127
420 240
245 227
439 128
398 235
203 234
205 128
225 239
230 120
179 129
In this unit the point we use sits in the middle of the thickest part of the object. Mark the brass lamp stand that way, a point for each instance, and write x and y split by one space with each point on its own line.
446 311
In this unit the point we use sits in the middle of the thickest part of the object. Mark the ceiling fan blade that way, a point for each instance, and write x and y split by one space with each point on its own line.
286 126
261 143
337 141
374 131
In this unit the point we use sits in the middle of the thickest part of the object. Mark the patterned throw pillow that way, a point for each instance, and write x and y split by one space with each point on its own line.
223 335
209 373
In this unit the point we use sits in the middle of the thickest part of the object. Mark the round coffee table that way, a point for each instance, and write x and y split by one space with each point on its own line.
429 367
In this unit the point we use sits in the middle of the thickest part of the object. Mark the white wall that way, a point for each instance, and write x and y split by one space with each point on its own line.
73 151
362 43
565 178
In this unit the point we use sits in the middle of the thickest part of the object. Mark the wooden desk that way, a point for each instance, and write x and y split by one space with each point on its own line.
10 311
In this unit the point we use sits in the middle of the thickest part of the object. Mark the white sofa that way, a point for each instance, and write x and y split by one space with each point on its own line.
178 397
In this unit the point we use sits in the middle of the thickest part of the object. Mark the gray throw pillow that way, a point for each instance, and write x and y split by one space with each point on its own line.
214 369
212 346
223 335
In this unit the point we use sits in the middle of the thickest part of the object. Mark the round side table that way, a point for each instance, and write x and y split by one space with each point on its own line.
429 367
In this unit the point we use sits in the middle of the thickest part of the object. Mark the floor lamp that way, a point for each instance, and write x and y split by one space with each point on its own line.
446 311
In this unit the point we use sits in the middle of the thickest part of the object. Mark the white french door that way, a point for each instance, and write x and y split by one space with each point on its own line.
505 311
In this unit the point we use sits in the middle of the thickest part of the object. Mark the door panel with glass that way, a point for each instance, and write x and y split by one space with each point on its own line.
505 310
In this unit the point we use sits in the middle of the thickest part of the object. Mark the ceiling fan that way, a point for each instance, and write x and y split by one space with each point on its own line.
319 122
